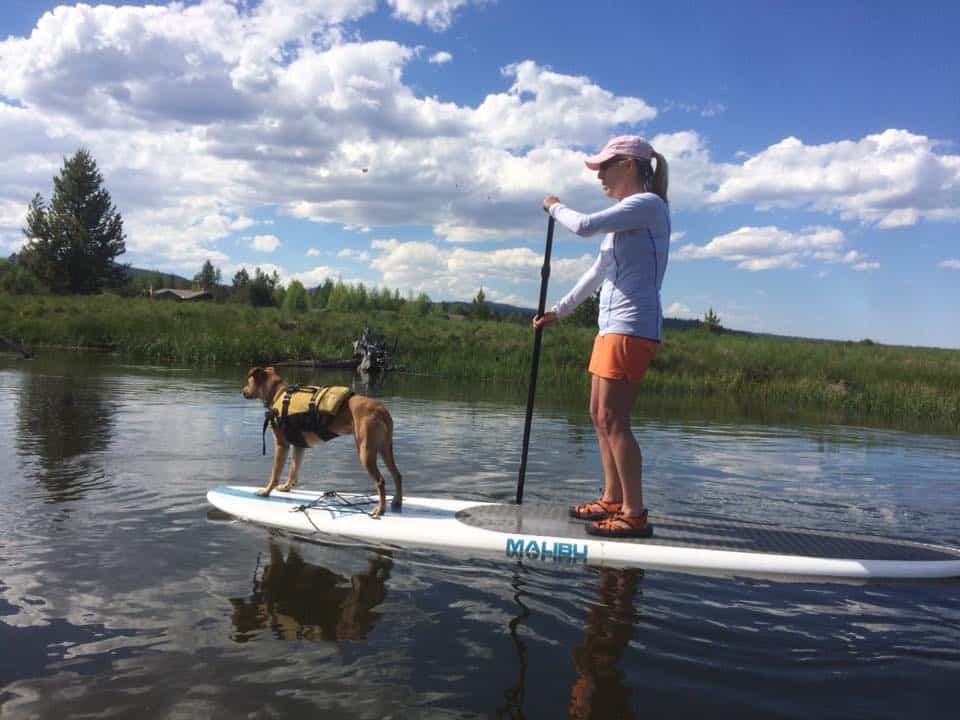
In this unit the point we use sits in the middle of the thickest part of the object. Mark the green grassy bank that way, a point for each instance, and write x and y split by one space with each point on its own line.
906 386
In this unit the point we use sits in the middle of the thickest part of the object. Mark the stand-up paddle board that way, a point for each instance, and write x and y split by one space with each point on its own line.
544 534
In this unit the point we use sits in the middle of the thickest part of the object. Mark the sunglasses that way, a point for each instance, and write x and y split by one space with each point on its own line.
607 164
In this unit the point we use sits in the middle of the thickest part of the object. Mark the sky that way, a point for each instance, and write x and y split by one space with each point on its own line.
813 147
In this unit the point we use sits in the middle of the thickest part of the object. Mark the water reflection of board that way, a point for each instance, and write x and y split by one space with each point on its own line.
544 534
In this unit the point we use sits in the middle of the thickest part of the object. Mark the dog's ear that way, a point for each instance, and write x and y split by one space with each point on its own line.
256 373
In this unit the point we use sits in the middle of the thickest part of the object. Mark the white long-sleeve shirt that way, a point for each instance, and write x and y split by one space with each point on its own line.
629 268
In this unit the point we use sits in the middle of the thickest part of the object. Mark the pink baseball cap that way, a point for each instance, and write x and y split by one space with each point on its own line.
629 145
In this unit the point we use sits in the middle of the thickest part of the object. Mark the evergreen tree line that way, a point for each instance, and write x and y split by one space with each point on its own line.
266 290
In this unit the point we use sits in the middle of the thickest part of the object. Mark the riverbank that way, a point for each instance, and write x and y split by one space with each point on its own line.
905 386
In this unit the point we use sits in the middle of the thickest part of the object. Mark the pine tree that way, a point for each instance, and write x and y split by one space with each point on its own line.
73 242
322 294
712 321
479 310
262 287
241 285
208 278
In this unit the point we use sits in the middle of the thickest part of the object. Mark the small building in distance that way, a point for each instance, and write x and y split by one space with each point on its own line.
180 295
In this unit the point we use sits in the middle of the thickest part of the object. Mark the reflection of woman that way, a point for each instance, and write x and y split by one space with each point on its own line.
600 691
629 271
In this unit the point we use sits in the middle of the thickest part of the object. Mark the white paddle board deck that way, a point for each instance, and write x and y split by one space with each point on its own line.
545 533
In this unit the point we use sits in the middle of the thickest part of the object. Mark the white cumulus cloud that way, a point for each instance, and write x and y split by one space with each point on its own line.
361 255
543 104
890 179
265 243
678 310
770 247
435 14
316 275
456 273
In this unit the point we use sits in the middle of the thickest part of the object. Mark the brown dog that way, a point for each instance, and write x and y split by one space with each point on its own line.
365 418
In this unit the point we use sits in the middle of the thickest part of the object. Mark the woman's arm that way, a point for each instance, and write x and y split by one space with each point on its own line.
586 286
634 212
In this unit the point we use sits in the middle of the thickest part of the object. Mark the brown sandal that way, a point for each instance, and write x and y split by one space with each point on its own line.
621 526
597 510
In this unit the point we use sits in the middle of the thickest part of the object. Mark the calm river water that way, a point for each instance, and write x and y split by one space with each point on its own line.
122 594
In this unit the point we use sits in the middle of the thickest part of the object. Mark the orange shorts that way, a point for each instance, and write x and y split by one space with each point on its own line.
622 357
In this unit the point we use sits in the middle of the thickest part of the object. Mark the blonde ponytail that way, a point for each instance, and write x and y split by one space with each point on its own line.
661 177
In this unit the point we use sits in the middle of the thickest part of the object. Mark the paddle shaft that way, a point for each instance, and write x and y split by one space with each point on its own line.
537 339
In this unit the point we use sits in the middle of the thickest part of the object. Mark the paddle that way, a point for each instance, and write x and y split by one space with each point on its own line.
537 337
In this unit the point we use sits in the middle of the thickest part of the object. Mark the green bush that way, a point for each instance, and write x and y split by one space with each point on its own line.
17 280
297 299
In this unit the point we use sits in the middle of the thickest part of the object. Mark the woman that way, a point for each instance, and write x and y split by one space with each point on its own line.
629 271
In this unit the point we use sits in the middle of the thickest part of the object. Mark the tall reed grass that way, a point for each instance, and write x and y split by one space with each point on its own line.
907 385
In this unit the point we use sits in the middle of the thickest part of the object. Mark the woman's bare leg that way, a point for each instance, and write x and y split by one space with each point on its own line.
613 400
612 487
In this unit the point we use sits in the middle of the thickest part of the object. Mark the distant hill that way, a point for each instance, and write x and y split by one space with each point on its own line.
499 309
169 280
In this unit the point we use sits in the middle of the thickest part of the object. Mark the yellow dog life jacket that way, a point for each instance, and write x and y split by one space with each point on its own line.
306 408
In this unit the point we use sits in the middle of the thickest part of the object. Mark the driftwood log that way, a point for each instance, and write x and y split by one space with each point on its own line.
24 351
370 354
371 350
325 364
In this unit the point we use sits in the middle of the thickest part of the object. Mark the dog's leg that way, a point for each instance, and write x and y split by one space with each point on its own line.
279 458
386 452
368 458
294 470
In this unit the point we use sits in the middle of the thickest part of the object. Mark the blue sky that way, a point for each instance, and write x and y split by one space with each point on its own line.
815 172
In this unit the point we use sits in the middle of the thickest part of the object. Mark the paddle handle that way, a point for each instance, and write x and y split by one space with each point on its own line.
537 339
